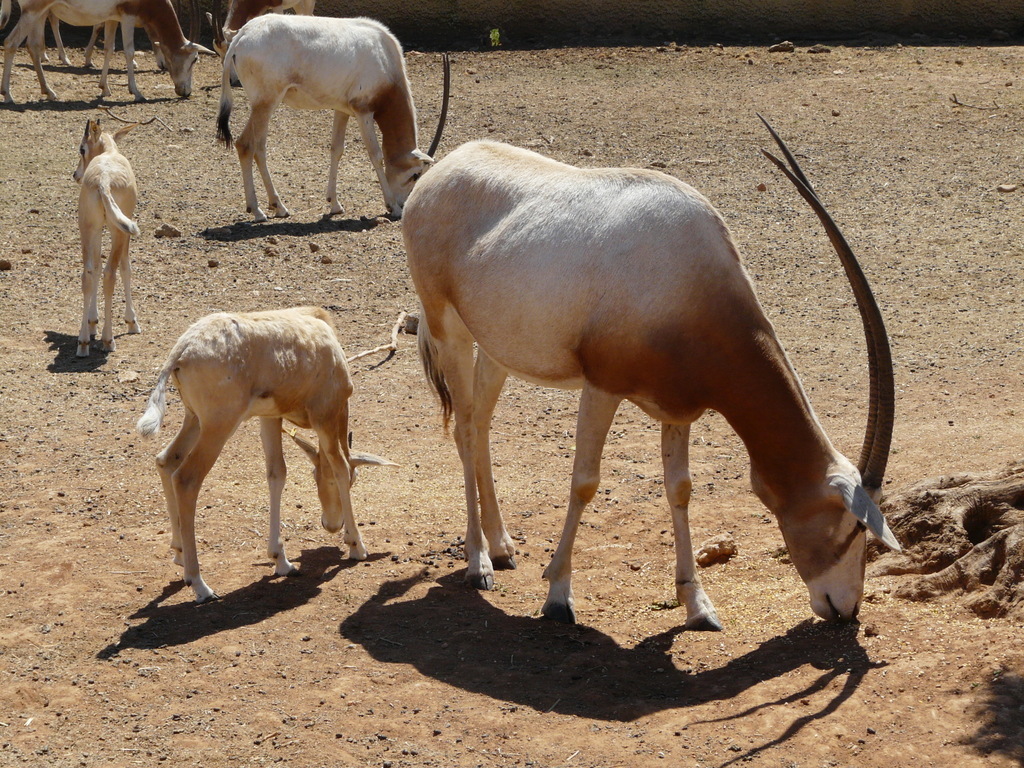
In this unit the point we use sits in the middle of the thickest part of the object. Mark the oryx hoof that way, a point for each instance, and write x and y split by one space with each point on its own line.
703 624
560 612
504 563
482 581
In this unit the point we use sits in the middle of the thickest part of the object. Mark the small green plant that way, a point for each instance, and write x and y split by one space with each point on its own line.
495 38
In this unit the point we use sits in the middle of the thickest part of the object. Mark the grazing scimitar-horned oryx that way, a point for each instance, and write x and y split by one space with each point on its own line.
157 16
107 198
626 283
281 364
352 66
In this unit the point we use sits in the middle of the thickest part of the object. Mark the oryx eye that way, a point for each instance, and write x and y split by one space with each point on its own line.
415 176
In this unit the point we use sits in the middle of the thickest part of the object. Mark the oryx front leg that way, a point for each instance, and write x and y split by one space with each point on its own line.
597 409
700 613
128 43
369 134
488 380
337 150
270 435
342 472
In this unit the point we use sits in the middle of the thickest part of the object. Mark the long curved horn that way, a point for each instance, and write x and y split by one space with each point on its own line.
874 454
444 106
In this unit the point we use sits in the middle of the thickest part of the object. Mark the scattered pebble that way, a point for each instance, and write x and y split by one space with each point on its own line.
784 47
762 187
717 550
1007 188
819 49
5 265
126 377
325 259
166 230
213 263
314 247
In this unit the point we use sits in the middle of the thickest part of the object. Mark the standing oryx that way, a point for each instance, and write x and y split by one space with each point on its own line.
352 66
626 283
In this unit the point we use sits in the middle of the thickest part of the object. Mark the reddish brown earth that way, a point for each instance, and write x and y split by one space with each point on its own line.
104 660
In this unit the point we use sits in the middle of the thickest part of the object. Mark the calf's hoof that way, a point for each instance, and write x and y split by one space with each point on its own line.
703 624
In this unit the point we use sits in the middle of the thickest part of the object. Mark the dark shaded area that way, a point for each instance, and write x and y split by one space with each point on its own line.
65 345
187 622
248 230
1002 730
454 635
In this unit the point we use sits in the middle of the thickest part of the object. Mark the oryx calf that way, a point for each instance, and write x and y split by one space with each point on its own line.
106 199
282 364
352 66
626 283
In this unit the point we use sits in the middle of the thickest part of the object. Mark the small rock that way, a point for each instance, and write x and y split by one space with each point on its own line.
784 47
272 240
835 113
870 630
819 49
33 210
587 152
717 550
5 265
271 252
325 259
166 230
314 247
1007 188
213 263
126 377
762 187
26 250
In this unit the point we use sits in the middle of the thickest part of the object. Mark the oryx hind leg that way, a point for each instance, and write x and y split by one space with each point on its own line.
488 379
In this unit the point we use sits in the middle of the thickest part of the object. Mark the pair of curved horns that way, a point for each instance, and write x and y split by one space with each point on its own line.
881 397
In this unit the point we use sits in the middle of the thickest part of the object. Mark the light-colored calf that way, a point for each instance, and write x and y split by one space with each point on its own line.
106 199
283 364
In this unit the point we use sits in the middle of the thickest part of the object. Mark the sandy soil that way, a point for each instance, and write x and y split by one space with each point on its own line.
104 660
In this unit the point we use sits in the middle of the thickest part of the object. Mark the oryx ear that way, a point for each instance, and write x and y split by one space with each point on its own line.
860 505
359 459
312 452
92 129
122 131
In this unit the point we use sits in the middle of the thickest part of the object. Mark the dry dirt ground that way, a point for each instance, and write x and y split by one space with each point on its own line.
104 659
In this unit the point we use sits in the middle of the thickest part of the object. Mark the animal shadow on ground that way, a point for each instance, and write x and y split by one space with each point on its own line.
454 635
184 623
65 361
248 230
1003 727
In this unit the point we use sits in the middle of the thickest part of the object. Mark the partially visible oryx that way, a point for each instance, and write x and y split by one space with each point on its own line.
157 16
352 66
626 283
242 11
229 367
107 198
